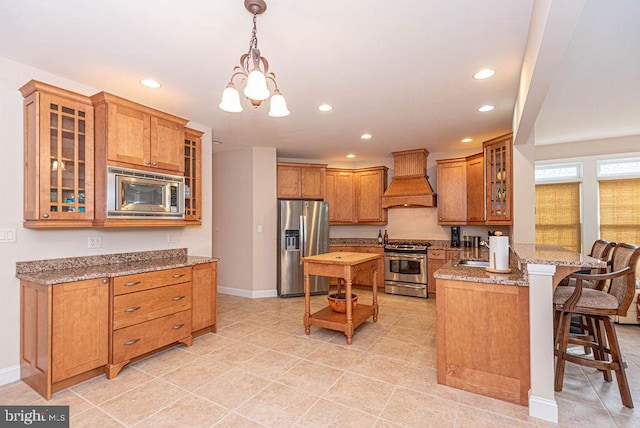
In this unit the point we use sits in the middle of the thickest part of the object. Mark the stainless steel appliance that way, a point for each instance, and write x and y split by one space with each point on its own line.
405 269
303 230
133 193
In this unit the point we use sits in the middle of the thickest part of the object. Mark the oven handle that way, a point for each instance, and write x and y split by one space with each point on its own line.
404 257
404 284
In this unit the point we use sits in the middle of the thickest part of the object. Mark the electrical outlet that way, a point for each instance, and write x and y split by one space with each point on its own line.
95 242
7 235
169 237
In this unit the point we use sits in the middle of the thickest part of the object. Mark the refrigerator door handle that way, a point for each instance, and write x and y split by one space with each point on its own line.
303 235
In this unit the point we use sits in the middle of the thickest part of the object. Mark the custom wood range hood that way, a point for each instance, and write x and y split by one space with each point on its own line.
409 186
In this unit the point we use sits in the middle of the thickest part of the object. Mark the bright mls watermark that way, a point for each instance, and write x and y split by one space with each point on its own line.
34 416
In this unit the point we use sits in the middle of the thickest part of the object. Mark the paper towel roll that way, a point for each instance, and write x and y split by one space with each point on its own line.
499 253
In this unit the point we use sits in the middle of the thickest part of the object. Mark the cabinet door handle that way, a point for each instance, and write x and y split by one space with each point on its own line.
176 327
105 281
132 309
178 298
178 275
358 269
131 342
147 162
154 163
132 283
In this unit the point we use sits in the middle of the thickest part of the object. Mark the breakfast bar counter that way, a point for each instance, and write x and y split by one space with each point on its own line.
340 265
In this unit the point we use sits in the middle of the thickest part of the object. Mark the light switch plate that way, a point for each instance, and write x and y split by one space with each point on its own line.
95 242
7 235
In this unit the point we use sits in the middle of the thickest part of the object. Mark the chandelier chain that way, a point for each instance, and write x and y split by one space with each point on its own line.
253 43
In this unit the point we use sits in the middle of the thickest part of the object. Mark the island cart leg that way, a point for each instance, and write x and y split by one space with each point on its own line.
349 327
307 301
375 295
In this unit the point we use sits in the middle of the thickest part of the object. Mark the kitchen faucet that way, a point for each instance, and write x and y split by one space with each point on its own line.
484 243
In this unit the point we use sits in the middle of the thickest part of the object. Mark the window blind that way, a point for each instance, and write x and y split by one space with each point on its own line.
620 210
558 215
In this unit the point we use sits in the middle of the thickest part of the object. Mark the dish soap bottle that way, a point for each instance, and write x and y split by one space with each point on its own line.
379 237
386 237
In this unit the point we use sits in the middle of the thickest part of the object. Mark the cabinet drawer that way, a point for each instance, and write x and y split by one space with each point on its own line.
144 281
138 339
134 308
437 254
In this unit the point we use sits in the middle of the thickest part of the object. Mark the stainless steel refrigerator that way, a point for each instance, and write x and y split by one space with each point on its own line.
303 230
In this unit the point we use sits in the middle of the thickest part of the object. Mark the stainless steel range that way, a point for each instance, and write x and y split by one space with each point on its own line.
405 269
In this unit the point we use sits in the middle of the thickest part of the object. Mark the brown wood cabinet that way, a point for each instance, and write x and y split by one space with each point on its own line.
131 135
355 195
149 310
204 280
64 333
461 190
499 180
475 189
452 191
483 339
339 191
58 157
301 180
435 260
192 177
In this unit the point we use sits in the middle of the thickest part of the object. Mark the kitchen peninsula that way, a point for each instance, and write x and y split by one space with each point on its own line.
495 331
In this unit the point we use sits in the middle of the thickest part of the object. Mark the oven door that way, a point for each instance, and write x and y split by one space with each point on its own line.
405 268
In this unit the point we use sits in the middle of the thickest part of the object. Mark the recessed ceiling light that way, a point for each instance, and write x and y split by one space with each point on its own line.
216 142
485 73
325 107
150 83
466 140
486 108
366 136
351 155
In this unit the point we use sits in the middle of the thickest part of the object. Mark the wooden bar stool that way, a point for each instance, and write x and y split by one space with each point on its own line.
597 306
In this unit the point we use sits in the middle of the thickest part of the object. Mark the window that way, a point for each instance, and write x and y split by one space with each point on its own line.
619 168
558 172
620 210
558 215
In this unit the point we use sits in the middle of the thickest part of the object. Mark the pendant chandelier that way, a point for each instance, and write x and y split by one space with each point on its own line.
254 70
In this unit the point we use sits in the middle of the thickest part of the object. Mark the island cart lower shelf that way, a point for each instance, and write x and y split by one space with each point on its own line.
340 265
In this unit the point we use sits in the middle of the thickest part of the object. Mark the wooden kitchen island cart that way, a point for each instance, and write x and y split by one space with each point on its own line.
342 265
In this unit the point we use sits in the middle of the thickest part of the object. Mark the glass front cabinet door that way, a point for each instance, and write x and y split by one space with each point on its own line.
498 179
58 170
192 176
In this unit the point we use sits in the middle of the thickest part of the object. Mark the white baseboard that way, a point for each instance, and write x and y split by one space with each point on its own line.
9 374
252 294
543 408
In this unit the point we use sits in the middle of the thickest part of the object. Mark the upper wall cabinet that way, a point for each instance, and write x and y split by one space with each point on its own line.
192 176
355 195
498 180
301 180
452 191
132 135
58 157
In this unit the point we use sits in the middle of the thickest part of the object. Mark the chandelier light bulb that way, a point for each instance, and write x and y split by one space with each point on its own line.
256 88
230 99
278 105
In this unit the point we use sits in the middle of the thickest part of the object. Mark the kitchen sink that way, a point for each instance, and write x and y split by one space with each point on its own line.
474 263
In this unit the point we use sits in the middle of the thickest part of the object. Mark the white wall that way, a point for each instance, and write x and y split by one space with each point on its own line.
46 244
244 200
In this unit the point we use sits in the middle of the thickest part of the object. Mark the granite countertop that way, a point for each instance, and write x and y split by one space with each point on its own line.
57 271
552 255
453 270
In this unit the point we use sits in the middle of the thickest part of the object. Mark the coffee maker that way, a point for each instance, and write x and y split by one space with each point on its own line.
455 236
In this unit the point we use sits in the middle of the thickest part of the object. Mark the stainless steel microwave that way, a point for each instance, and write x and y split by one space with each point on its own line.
135 194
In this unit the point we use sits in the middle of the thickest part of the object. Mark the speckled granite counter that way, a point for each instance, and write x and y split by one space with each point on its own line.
455 271
552 255
56 271
368 242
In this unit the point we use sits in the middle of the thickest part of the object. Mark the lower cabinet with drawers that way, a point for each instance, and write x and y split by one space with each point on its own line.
150 310
73 331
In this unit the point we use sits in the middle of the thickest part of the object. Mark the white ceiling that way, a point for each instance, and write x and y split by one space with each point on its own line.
400 70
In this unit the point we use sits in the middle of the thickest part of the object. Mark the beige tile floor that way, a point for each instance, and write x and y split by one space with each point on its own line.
260 370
